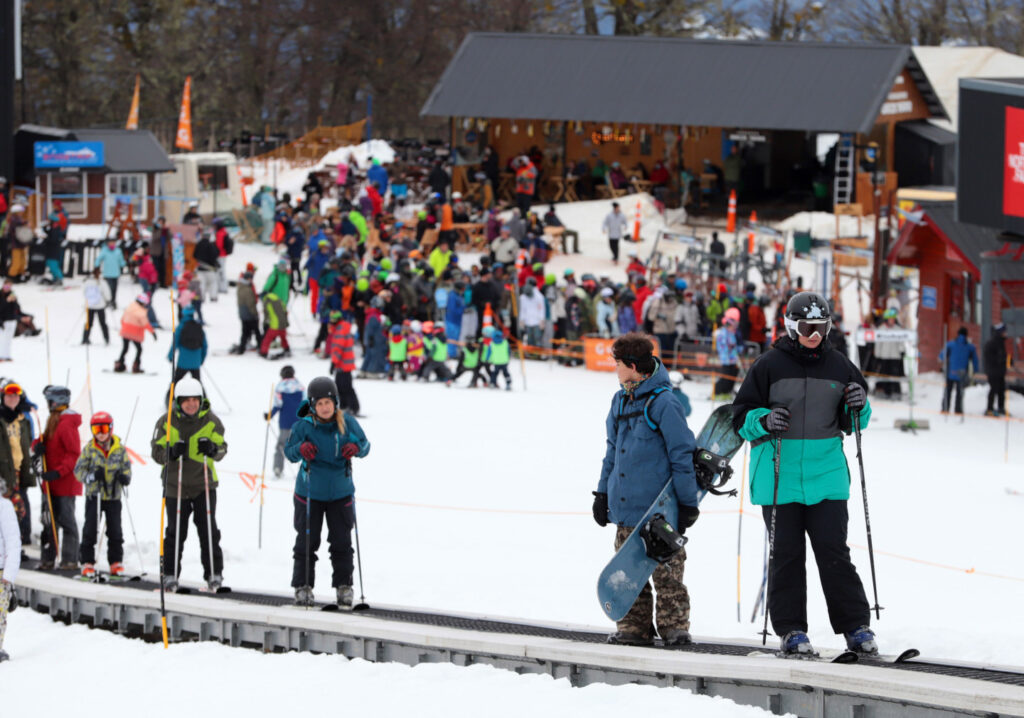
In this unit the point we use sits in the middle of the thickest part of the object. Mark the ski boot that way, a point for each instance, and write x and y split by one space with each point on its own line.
47 566
119 366
797 643
632 637
215 582
69 566
137 367
277 475
170 584
4 656
304 596
676 637
117 569
345 598
89 571
862 640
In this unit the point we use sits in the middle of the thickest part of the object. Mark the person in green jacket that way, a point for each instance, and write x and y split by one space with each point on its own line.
276 317
359 221
279 282
439 258
718 305
469 361
799 399
398 352
497 355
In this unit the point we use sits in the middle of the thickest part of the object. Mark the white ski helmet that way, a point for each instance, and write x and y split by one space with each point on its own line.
188 386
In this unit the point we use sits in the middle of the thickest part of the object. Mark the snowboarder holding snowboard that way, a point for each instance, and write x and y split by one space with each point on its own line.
640 459
196 442
803 394
104 468
325 440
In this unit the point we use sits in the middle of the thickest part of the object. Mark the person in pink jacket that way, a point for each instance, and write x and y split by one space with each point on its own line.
134 325
150 280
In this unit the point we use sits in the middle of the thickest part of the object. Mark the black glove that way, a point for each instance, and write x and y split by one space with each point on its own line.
50 475
122 478
687 517
600 508
206 447
92 476
266 416
39 449
776 421
176 451
855 396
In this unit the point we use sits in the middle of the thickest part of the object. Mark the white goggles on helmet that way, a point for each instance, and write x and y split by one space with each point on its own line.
808 327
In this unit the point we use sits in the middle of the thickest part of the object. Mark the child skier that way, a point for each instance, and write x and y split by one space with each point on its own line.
276 317
288 394
134 325
469 361
104 468
398 352
10 561
497 355
325 440
416 338
436 359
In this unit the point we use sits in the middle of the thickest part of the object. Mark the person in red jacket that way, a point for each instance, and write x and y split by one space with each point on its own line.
636 266
59 447
758 322
341 344
642 292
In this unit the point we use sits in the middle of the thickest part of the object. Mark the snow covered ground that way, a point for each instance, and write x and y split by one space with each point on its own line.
480 502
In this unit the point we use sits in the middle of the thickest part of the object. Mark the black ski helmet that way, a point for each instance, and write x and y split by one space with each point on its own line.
321 387
57 395
807 306
287 372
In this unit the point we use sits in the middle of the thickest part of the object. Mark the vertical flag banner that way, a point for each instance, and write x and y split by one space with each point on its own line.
184 138
1013 167
133 113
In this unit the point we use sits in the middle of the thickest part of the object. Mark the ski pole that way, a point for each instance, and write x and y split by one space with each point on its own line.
177 524
263 471
771 537
135 536
362 605
219 392
760 602
163 500
209 518
100 520
867 517
739 530
53 521
309 500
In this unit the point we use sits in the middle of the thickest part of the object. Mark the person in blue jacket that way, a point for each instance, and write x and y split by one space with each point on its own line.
379 174
189 344
958 355
325 439
288 395
639 461
111 262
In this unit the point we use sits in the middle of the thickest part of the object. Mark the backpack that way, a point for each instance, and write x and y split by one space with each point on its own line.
191 336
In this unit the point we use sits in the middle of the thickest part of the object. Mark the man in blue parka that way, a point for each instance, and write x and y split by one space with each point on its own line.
325 439
958 355
639 460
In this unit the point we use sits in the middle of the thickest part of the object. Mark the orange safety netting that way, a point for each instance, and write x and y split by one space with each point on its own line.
317 142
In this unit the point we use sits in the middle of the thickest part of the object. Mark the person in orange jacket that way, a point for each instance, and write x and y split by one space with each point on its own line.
134 325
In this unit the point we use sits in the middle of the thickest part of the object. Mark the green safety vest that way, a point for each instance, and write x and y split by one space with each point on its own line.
499 353
439 350
470 359
398 351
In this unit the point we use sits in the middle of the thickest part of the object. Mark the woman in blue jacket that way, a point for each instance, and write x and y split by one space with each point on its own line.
325 439
111 262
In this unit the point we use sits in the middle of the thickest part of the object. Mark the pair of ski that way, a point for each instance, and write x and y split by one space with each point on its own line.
847 656
99 577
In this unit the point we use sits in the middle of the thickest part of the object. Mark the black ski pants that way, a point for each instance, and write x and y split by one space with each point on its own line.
347 398
439 368
250 329
997 393
94 316
341 518
179 373
613 244
125 343
825 524
476 373
952 384
115 539
67 527
196 508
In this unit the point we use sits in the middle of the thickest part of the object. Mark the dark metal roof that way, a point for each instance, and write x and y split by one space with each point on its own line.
710 83
927 131
128 150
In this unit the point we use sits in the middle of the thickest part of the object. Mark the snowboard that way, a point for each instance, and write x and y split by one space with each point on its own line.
130 373
627 572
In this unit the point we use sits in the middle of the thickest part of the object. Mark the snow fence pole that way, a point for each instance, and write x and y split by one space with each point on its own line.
739 529
519 339
263 471
771 535
124 490
867 516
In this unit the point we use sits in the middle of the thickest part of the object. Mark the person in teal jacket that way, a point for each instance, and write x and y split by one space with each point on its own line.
111 262
325 439
800 398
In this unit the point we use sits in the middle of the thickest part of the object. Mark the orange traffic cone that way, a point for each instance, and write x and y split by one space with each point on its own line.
730 222
636 223
751 235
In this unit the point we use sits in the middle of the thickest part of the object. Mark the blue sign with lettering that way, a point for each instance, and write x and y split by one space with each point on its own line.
929 297
54 155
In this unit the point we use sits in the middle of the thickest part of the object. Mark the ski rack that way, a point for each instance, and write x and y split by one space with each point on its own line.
268 622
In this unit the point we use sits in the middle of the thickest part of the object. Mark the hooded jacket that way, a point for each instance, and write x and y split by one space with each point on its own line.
328 477
112 462
810 384
640 460
188 429
62 450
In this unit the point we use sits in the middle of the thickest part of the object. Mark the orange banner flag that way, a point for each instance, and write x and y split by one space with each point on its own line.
184 138
133 113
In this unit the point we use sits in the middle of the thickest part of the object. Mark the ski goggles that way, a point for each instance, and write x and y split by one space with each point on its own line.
13 389
98 429
809 327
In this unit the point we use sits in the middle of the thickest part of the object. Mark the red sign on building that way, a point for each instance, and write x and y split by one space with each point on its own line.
1013 178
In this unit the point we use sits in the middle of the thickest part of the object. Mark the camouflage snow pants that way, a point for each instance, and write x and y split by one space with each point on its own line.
6 596
673 605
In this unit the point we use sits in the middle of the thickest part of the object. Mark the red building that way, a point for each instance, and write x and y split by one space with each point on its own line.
949 257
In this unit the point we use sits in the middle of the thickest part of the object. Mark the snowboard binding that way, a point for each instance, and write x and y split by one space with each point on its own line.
708 465
661 540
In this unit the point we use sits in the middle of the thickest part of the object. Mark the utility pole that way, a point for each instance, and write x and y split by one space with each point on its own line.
8 39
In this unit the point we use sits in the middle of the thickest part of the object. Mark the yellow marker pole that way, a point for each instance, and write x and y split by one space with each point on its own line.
163 501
